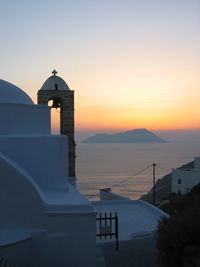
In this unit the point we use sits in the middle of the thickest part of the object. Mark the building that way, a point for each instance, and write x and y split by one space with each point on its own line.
184 179
56 89
138 221
45 221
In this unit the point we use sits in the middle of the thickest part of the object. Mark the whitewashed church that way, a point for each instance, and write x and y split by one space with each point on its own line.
45 221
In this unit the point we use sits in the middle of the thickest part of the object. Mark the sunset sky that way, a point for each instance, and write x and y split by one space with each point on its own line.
132 63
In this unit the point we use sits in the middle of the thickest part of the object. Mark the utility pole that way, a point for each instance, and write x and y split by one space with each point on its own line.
154 184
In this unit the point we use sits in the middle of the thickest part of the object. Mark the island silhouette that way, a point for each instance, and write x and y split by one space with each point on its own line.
132 136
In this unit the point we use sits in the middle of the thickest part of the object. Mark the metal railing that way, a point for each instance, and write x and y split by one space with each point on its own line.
107 227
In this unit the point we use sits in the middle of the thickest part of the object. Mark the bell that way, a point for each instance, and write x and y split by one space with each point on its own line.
56 103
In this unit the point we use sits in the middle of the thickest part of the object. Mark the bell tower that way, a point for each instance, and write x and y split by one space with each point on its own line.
56 89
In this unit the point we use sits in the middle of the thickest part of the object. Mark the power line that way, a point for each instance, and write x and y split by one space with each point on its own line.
122 181
163 169
126 179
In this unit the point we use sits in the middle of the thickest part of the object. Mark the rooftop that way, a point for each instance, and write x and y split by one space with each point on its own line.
9 93
137 218
55 82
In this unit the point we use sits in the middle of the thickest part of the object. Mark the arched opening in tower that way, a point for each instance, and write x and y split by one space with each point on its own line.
55 118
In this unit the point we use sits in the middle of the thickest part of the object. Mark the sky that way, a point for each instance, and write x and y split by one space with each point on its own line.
132 63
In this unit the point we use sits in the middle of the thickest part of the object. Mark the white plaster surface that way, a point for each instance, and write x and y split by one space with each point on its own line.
138 221
136 217
183 180
9 93
45 220
49 84
20 119
13 236
43 157
64 202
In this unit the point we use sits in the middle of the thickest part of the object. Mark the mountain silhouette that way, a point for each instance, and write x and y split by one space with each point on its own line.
133 136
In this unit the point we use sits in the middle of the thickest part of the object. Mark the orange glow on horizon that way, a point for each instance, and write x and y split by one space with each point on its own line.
152 98
109 121
150 114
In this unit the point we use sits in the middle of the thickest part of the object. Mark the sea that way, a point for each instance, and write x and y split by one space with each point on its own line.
127 168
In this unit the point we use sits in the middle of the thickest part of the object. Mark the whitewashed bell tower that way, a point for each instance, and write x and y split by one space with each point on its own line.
56 89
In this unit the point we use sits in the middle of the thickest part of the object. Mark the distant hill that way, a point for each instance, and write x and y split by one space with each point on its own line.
133 136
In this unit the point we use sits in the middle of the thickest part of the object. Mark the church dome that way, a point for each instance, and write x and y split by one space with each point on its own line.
9 93
55 82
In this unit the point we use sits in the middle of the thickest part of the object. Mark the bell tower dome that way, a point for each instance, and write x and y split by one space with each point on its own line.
56 89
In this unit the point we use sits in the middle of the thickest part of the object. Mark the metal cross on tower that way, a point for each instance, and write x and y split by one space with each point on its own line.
54 72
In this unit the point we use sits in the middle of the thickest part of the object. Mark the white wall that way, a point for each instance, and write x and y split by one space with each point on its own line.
17 254
183 180
138 252
45 158
70 240
19 119
21 205
33 179
58 238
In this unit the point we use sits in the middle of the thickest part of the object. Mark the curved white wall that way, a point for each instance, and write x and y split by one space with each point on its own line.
10 93
43 157
20 203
